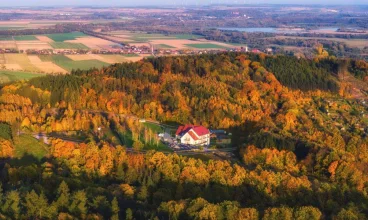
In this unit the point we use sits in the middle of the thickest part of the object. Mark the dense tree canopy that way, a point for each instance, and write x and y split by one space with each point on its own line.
302 142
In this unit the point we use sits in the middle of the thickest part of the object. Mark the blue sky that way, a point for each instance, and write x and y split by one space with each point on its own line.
169 2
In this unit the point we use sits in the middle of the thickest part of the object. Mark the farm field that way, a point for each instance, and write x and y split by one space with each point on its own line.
69 64
24 37
206 46
74 40
9 76
67 45
164 46
107 58
93 42
360 43
21 60
161 41
8 44
141 37
65 36
32 45
46 67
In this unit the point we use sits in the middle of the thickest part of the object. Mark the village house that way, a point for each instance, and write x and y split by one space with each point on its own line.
193 135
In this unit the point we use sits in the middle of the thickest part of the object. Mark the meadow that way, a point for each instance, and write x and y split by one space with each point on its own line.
67 45
65 36
9 76
28 145
69 64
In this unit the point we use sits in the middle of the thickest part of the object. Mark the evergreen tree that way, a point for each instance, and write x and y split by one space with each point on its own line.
128 214
63 194
115 209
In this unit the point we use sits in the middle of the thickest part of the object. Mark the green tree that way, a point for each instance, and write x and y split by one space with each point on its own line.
11 206
63 199
307 212
5 131
128 214
115 209
142 194
79 204
283 213
36 206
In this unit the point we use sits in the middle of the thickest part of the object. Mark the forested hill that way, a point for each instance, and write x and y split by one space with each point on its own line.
302 145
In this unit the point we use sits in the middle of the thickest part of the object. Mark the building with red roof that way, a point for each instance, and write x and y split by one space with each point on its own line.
193 135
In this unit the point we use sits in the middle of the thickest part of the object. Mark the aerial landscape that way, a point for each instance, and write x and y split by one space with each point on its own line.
209 110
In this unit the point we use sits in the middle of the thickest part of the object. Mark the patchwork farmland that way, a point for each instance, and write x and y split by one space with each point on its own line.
21 54
18 63
161 41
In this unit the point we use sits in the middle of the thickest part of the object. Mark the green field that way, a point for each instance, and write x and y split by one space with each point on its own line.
66 45
6 38
130 55
65 36
206 46
154 127
69 64
9 76
188 36
28 145
25 38
163 46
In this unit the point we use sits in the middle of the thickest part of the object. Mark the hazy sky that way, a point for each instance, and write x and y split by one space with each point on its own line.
168 2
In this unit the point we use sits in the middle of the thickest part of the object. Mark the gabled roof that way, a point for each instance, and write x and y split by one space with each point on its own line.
193 135
199 130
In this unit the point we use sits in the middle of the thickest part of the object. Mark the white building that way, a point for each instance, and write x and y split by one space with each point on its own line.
193 135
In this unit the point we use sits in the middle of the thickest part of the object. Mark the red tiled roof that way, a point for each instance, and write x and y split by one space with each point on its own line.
199 130
193 135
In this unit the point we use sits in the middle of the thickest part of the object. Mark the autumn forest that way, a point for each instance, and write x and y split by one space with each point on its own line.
299 130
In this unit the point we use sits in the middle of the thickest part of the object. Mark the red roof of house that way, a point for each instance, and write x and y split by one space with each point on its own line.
199 130
193 135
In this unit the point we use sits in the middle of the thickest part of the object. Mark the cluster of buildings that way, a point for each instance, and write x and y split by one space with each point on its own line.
196 135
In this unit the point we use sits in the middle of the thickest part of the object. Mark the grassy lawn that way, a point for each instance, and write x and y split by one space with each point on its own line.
159 147
8 76
69 64
66 45
206 46
25 37
65 36
154 127
28 145
188 36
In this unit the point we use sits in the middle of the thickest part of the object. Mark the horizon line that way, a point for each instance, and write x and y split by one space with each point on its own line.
182 5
